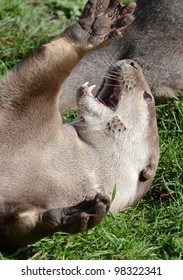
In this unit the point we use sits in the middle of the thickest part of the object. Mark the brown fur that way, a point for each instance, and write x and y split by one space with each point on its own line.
47 165
154 40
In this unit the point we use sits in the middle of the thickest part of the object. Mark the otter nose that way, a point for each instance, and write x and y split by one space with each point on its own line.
132 64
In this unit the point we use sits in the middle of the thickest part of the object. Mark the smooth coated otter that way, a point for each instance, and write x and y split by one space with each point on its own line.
154 40
45 165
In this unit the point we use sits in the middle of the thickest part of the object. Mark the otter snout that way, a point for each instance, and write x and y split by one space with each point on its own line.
129 66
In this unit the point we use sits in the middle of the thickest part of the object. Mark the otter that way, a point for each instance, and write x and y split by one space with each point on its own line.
154 40
58 176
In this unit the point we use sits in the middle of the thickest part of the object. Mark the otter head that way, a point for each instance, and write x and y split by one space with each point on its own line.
122 116
124 93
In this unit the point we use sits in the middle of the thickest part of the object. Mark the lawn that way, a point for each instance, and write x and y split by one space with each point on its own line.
152 229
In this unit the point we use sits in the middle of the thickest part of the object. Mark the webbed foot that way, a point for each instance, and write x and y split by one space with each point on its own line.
80 217
101 23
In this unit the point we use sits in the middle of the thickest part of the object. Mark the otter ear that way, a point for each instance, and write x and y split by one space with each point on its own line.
146 173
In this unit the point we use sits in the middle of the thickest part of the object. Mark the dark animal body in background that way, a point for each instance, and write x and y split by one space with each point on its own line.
154 40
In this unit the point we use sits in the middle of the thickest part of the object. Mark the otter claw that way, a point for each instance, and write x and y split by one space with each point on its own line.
91 88
101 23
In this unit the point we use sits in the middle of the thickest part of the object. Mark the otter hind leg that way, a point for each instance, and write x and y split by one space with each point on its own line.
22 224
19 223
80 217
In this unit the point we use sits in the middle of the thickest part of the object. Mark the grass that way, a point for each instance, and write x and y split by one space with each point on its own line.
152 229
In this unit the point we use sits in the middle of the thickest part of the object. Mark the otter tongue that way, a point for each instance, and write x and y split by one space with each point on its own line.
113 97
110 92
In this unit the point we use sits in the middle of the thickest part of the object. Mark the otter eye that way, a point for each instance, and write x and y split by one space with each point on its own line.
147 97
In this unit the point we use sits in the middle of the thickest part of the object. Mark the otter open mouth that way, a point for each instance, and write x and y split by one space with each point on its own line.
109 93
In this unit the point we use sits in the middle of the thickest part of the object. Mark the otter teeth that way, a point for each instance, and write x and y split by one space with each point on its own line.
86 84
91 88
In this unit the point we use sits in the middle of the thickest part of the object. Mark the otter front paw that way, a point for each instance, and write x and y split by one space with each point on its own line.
101 23
80 217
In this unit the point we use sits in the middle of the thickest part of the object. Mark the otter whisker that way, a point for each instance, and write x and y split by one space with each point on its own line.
112 85
113 73
101 101
106 59
79 124
75 121
110 76
93 64
109 63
